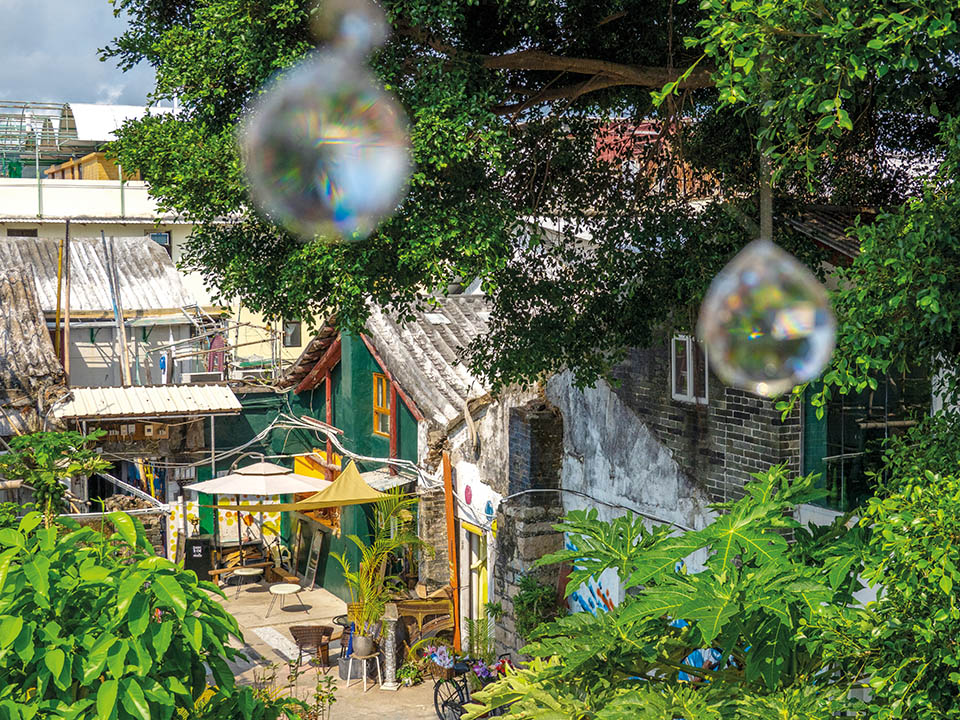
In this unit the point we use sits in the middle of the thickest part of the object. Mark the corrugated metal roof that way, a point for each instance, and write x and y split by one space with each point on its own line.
150 401
149 281
98 123
828 224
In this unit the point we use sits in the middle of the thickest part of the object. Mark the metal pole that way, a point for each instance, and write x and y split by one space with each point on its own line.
39 183
66 309
123 206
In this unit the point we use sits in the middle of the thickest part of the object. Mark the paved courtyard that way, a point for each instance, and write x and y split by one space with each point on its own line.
268 642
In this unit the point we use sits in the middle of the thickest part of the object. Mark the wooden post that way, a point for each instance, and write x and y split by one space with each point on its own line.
393 425
66 308
56 323
452 547
329 418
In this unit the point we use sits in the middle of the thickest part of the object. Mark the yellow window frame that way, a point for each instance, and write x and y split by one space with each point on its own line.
380 380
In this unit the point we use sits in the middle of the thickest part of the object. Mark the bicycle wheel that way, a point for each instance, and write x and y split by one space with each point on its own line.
448 699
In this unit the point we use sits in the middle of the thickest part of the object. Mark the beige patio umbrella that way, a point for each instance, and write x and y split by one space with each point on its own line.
261 478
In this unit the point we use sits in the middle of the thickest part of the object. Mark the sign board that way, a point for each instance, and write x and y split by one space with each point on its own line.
313 560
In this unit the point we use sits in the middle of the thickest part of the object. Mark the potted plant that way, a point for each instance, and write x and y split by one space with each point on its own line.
410 674
369 585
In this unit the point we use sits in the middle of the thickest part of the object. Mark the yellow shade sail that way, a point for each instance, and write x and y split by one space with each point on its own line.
348 489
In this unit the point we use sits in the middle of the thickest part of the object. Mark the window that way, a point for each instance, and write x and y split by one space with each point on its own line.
291 334
21 232
845 446
688 364
161 238
381 406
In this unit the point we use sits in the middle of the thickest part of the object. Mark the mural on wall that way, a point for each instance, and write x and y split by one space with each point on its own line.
597 595
478 501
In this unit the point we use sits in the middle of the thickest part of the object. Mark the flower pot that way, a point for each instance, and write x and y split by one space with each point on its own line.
362 645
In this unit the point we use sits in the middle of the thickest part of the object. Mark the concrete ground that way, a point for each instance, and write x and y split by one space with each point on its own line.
267 642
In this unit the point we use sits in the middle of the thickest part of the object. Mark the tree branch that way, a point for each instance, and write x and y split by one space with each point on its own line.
602 73
644 76
565 92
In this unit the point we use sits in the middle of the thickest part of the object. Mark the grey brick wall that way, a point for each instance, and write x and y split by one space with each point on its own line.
524 524
718 444
435 568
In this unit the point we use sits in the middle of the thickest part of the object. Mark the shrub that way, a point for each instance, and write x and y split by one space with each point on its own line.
534 604
95 625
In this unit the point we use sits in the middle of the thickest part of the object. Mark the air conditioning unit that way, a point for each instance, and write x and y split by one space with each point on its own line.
196 378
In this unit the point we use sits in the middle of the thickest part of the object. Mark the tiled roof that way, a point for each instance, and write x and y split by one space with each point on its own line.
425 354
28 364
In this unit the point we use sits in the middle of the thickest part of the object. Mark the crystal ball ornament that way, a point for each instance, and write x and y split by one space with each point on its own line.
351 26
325 151
766 321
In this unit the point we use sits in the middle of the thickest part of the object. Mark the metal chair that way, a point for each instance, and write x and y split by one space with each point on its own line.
312 639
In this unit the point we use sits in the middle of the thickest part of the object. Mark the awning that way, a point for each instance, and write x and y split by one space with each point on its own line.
262 478
148 402
384 480
348 489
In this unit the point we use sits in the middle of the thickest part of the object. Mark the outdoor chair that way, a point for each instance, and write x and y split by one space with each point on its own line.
313 639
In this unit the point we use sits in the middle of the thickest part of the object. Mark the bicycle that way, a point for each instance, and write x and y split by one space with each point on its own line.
450 695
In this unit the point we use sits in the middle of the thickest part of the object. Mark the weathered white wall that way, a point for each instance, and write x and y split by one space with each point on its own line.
610 455
97 363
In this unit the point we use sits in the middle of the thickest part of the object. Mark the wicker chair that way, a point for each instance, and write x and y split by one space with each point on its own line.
312 639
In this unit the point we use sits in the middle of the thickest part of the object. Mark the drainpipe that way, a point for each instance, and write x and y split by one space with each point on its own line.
39 183
123 206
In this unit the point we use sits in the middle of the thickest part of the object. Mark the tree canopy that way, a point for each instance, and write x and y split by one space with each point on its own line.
604 121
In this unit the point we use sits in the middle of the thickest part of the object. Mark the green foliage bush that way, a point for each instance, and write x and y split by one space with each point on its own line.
791 639
94 625
535 604
43 460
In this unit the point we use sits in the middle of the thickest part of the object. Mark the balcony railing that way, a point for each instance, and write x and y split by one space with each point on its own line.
55 199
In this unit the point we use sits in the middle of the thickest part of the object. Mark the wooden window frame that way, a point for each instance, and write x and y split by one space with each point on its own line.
381 409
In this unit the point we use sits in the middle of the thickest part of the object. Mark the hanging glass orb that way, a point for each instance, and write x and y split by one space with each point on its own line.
766 321
325 151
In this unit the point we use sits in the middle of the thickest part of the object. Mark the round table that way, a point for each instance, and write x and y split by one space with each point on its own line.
246 572
281 590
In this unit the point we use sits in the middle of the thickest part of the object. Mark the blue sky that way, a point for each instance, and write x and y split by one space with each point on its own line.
48 52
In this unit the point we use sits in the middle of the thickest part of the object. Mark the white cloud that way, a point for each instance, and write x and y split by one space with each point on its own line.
48 52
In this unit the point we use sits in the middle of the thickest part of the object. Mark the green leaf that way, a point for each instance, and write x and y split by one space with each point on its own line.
193 632
38 573
10 628
10 537
107 699
138 616
5 558
222 674
59 666
946 583
125 527
168 592
133 700
29 521
129 587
